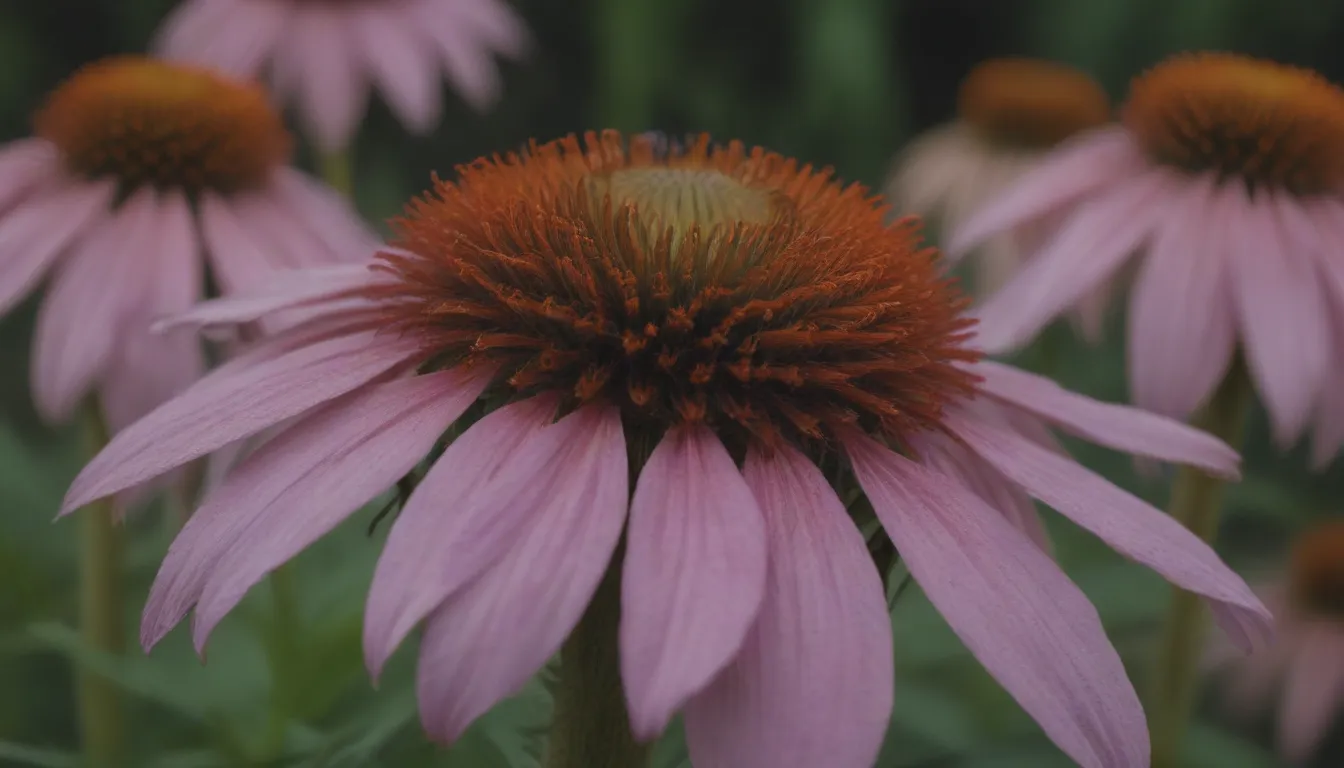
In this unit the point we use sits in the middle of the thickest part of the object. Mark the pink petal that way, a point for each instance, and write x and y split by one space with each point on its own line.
1086 251
1010 604
235 257
469 65
332 90
1084 165
812 684
1328 432
285 289
295 487
282 240
24 165
1281 313
35 234
1114 426
1182 331
92 298
221 409
496 25
1313 692
942 454
402 64
1128 524
464 515
694 574
325 213
486 642
234 38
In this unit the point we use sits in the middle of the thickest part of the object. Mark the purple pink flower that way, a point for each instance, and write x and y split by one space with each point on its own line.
1224 182
698 353
324 54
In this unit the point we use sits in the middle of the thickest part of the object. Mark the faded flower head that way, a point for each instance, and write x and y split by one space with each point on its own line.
140 173
1225 179
687 356
324 54
1306 662
1010 113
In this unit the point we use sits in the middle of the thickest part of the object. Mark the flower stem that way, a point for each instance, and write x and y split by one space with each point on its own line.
1196 501
591 728
338 172
101 617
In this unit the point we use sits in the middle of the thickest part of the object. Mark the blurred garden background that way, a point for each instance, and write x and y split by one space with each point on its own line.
834 82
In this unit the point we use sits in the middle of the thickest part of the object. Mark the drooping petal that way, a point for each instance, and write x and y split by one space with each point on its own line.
1030 626
235 37
461 519
1087 250
1087 163
1128 524
496 25
469 66
296 486
1328 432
24 165
1313 692
812 684
1182 330
332 90
93 296
402 63
325 213
1281 313
931 167
486 642
235 256
694 574
222 408
284 290
34 235
1115 426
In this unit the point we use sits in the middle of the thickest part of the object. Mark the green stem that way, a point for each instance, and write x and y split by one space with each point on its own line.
1196 501
282 653
101 617
591 728
337 171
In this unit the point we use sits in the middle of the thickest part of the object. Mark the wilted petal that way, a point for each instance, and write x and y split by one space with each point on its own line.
1012 606
694 574
812 684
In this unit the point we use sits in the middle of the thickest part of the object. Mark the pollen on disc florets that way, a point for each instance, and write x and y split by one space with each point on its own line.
144 121
1271 125
708 284
1029 103
1317 574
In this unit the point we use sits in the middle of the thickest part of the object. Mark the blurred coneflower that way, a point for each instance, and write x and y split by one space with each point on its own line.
664 370
324 54
1010 114
1226 179
1308 653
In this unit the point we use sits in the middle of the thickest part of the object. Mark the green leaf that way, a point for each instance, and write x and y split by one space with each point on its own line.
18 755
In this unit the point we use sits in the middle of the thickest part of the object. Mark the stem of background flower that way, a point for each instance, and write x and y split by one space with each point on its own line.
282 649
591 728
101 617
1196 500
338 172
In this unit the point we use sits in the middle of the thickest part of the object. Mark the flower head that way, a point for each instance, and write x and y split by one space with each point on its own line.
1226 178
693 352
323 54
138 170
1010 113
1308 655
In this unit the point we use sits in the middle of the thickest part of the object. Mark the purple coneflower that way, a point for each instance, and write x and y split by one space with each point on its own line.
324 54
1010 114
140 174
689 358
1308 652
1226 177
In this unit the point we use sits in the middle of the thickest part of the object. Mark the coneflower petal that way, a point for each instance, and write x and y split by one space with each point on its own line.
1030 626
296 486
332 91
812 684
1115 426
694 574
1313 692
34 235
1083 165
92 297
23 165
1086 251
468 66
281 290
330 216
222 408
1282 315
236 260
401 62
463 516
1182 330
485 643
1128 524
